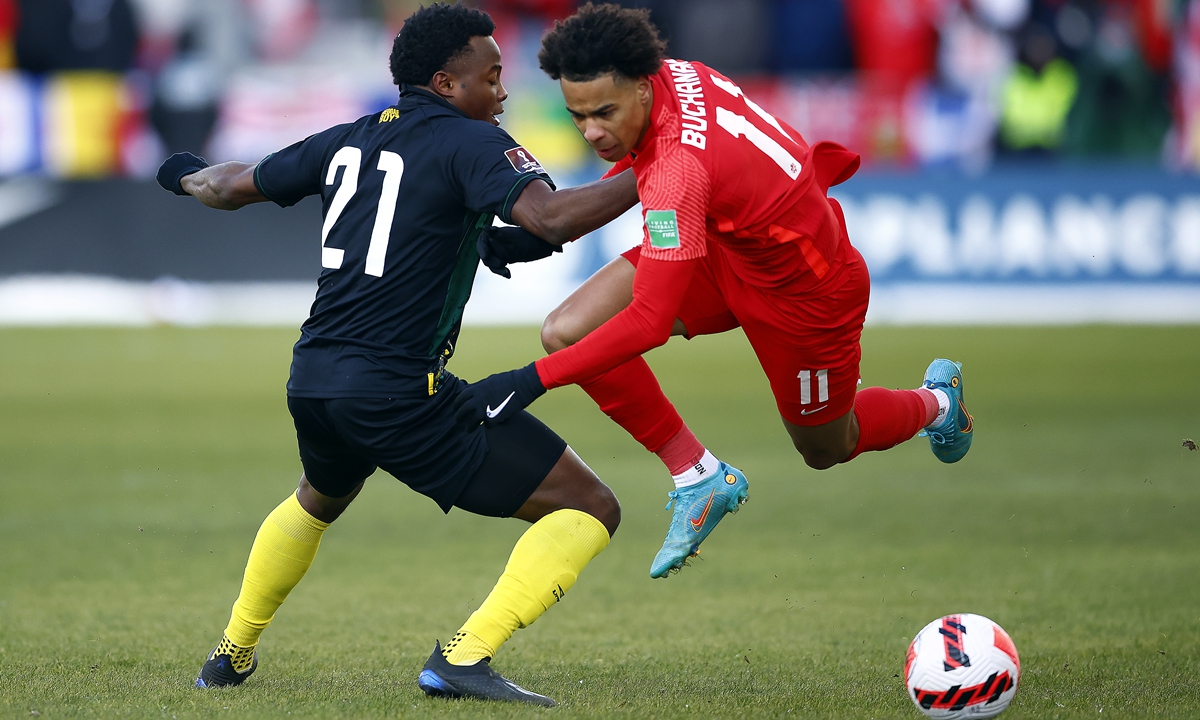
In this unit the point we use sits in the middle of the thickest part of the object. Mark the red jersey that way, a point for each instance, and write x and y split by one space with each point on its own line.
718 174
714 166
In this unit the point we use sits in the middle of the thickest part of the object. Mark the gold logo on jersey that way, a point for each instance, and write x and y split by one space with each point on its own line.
389 115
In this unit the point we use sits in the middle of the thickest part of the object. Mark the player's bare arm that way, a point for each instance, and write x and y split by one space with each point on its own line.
561 216
227 186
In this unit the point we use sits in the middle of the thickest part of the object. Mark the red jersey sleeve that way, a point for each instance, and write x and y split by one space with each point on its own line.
658 291
674 190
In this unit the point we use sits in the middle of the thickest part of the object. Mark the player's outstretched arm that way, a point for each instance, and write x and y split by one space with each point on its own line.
561 216
659 287
227 186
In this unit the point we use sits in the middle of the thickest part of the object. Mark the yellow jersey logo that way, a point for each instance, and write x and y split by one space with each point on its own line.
389 115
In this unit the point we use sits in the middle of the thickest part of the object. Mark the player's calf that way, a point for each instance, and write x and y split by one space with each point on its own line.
571 485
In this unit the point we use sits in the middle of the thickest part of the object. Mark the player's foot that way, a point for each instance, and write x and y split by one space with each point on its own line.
698 509
441 679
227 665
951 438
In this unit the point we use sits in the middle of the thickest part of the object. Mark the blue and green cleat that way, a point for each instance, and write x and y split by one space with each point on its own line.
951 438
698 509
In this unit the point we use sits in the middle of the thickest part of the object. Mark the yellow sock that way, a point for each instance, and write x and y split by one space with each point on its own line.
241 657
283 550
543 566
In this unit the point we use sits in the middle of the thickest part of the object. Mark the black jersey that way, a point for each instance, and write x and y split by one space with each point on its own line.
405 193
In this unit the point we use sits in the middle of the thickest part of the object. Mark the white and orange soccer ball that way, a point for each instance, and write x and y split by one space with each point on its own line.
962 666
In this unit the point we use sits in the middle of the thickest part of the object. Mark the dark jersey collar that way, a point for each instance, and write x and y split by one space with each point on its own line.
419 96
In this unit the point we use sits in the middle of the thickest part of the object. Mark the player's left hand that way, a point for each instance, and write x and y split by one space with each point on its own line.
497 397
176 167
499 246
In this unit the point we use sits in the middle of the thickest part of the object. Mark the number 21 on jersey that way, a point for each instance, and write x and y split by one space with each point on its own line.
392 167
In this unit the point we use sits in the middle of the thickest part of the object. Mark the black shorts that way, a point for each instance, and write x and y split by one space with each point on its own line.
486 471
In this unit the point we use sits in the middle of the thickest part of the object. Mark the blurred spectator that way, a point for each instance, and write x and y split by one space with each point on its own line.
75 35
1006 15
976 55
809 36
726 35
1038 95
8 29
546 10
896 40
187 95
283 28
1155 27
1187 72
1122 107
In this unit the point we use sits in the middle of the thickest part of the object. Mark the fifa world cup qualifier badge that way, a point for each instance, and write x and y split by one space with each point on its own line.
523 161
663 228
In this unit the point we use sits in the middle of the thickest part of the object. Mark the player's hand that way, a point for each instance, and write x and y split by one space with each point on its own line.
497 397
176 167
499 246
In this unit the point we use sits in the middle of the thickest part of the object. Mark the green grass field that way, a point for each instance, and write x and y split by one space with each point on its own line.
136 466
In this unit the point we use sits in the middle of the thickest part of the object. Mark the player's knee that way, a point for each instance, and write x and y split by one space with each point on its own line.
323 507
554 336
604 506
820 457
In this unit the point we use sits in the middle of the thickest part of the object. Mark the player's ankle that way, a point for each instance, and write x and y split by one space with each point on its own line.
934 417
241 656
698 472
467 648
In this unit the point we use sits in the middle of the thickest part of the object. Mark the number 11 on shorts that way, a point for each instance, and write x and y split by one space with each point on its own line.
806 389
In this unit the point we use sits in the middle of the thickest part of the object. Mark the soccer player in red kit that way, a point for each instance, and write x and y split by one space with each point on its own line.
739 232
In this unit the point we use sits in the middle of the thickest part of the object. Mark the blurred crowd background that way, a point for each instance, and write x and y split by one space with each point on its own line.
94 88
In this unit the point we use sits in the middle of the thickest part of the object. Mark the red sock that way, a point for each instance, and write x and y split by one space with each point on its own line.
632 397
682 452
887 418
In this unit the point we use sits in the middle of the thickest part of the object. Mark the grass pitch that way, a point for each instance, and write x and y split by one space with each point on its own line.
136 466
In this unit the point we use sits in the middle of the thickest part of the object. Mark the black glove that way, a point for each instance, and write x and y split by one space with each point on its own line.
497 397
176 167
499 246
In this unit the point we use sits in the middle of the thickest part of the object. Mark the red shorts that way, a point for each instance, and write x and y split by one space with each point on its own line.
808 346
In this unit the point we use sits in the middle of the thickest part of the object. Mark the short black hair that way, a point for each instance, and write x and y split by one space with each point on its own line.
432 37
602 39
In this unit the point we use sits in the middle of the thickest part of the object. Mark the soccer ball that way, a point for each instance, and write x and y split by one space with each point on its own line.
962 666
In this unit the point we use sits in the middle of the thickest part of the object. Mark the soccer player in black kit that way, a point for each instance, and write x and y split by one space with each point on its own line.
406 193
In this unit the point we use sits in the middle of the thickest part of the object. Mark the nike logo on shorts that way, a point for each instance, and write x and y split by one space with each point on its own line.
493 413
815 410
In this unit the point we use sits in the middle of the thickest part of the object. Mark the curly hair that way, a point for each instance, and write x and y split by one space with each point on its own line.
602 39
432 37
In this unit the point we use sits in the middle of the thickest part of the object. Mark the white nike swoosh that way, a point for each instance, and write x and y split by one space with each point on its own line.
815 410
493 413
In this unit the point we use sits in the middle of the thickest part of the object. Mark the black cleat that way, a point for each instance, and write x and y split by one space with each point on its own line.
218 672
441 679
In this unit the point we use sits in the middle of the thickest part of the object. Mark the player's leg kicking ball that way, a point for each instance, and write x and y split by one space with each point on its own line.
951 432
